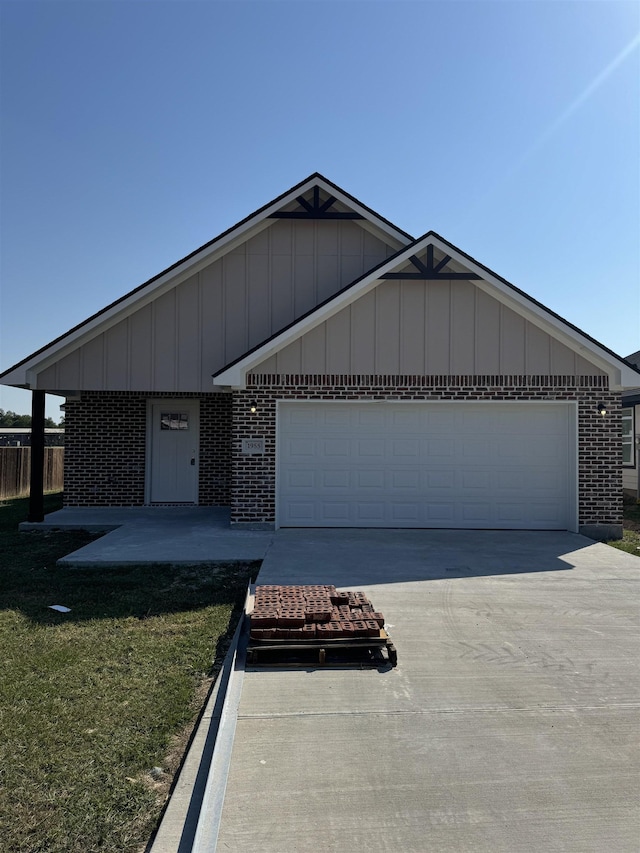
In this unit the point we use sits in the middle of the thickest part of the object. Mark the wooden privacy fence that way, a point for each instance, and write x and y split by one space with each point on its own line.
15 470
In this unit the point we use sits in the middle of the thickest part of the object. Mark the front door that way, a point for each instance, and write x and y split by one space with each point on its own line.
174 443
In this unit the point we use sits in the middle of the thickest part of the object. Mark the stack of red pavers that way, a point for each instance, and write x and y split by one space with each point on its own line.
299 613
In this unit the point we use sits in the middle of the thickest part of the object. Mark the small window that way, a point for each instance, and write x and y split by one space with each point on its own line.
627 438
174 420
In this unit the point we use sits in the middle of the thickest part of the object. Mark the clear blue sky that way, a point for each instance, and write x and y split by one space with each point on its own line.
134 132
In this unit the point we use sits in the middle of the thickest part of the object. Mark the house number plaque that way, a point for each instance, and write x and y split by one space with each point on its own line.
253 446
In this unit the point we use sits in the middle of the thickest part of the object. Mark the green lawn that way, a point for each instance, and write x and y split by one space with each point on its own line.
93 700
631 534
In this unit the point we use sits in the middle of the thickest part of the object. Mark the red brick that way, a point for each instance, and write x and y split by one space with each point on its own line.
290 619
318 615
266 620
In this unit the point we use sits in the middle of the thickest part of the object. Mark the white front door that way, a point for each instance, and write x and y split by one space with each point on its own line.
173 445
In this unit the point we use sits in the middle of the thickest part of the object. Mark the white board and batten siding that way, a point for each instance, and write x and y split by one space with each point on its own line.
176 341
427 327
463 465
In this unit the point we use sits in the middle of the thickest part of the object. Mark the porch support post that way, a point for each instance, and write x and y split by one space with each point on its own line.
36 491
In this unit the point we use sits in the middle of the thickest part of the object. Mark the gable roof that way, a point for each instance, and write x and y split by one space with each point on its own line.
621 373
632 397
287 204
634 359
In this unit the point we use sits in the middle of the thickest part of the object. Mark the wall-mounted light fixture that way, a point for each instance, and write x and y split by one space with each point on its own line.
601 409
253 408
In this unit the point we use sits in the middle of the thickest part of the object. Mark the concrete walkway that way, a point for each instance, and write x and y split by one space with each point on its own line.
510 723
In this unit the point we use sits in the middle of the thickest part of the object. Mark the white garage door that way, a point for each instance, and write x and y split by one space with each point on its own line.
466 465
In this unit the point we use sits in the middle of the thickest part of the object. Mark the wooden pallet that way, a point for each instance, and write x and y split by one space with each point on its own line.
356 651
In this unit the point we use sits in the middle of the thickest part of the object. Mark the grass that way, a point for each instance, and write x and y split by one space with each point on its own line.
96 705
630 541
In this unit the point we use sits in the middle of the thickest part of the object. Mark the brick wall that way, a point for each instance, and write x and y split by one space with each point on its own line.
106 448
599 442
215 450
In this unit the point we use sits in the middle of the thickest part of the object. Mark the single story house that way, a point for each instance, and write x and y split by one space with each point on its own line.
317 366
631 435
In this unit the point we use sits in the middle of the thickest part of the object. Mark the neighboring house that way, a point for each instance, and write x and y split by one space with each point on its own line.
316 366
21 437
631 434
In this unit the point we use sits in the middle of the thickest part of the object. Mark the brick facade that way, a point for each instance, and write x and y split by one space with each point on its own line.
106 438
599 442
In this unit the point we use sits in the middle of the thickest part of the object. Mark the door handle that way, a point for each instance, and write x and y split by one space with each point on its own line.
193 461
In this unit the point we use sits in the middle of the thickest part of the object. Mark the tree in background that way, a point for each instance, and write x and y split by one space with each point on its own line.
11 419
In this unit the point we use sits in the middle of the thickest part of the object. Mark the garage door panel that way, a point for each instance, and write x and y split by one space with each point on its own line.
407 421
544 513
301 511
301 447
439 514
473 480
440 448
509 480
509 513
405 479
332 479
302 417
443 479
405 447
474 449
298 478
334 418
335 510
370 479
405 512
476 513
439 421
500 465
370 512
336 447
371 418
545 480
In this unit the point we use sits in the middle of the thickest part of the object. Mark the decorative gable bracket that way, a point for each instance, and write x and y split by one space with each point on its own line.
315 209
430 271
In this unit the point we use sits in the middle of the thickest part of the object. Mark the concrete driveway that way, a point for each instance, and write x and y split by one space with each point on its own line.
510 724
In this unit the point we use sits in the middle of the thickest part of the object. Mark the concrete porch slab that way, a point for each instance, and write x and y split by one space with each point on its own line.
170 535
